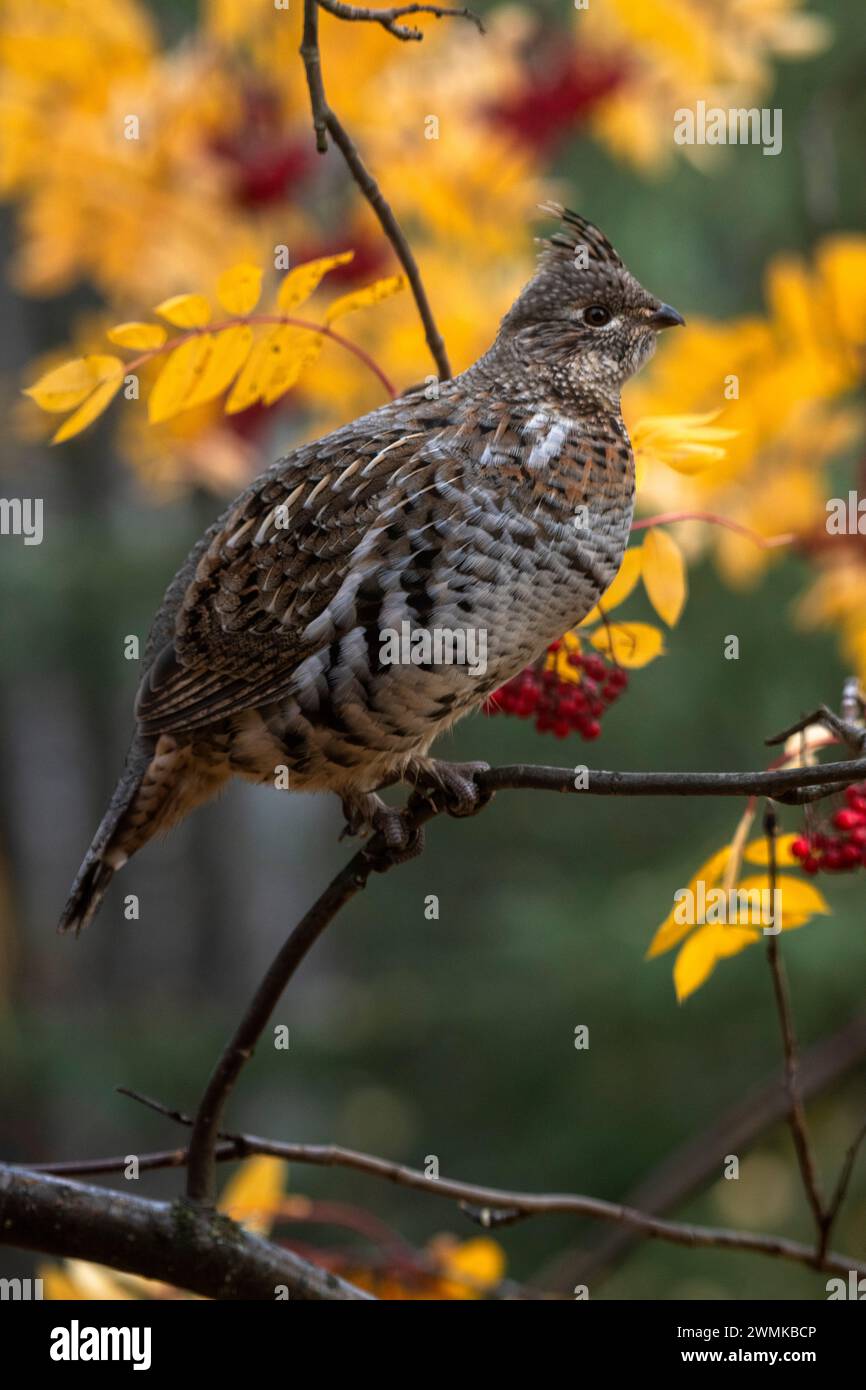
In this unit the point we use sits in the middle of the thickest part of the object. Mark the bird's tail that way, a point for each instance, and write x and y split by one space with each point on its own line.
105 856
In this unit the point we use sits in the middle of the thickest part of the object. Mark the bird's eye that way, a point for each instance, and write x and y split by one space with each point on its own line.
597 316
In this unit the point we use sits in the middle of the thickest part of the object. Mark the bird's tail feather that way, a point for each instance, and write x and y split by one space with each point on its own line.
103 859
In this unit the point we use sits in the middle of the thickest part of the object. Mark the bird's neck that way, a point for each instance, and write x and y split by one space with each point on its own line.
541 382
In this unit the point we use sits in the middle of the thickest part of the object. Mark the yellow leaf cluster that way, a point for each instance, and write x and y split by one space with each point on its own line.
207 358
736 909
786 377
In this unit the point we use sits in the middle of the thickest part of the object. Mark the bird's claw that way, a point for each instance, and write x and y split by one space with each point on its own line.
453 786
394 838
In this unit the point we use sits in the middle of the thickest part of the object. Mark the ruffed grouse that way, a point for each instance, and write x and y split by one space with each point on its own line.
499 503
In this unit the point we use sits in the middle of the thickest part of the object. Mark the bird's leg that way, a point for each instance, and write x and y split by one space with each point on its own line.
453 786
368 815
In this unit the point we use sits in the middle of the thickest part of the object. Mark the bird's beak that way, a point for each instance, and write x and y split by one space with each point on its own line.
665 316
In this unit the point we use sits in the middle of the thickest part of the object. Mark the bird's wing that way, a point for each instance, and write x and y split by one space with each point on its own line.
295 564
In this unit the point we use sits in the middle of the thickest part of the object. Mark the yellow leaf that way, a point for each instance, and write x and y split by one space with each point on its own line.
274 365
671 930
96 1283
68 385
296 348
664 575
138 335
178 379
254 1195
96 403
361 299
800 900
57 1285
185 310
304 280
229 351
629 644
699 956
474 1265
621 586
756 852
253 378
686 443
238 289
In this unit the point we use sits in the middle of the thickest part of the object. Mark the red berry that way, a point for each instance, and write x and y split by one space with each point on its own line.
801 848
846 820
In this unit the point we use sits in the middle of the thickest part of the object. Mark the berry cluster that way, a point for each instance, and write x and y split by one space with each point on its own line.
557 705
841 845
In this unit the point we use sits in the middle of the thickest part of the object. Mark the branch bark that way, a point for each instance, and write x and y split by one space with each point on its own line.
326 122
389 18
207 1254
201 1175
491 1206
796 1111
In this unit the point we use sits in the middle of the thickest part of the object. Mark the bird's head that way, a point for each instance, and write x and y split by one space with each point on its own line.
584 317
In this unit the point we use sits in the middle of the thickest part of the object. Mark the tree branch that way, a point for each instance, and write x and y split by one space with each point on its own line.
201 1176
388 18
207 1254
844 1178
491 1206
697 1159
796 1111
325 122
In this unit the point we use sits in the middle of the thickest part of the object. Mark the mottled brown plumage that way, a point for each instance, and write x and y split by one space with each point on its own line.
501 505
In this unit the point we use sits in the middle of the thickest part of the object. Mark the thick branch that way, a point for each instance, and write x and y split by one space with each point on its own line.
207 1254
326 122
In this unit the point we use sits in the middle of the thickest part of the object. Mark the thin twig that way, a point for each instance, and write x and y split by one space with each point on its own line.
325 123
389 18
684 1170
201 1184
796 1110
669 518
491 1206
775 782
842 1185
201 1177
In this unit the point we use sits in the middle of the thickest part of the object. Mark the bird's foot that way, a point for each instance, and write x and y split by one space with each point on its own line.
394 837
451 786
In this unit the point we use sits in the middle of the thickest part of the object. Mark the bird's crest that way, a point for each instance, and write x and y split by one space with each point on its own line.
575 235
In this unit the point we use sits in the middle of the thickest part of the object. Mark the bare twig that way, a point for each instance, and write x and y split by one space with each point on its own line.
389 18
350 880
809 782
796 1111
325 122
491 1206
684 1170
842 1185
207 1254
201 1185
200 1174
